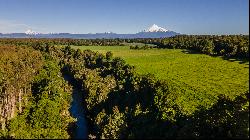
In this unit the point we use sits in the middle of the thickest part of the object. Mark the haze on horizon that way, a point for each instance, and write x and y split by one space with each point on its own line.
125 16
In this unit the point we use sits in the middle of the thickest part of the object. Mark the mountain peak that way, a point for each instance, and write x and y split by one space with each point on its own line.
30 32
155 28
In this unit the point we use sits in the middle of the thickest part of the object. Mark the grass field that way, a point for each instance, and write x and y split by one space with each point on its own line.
190 73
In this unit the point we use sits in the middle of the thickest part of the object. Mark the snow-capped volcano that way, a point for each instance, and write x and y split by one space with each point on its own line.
155 28
30 32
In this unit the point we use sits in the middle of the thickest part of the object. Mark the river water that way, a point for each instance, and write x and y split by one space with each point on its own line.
77 111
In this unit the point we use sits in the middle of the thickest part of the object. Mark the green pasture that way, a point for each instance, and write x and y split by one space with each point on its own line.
190 73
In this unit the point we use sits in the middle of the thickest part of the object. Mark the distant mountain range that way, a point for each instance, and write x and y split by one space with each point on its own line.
153 32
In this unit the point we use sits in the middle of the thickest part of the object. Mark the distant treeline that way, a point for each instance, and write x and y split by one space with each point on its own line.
230 46
62 41
236 46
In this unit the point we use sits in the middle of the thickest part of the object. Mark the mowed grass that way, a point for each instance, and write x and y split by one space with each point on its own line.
192 74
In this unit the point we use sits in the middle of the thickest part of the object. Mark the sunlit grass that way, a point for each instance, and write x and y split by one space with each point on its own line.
191 73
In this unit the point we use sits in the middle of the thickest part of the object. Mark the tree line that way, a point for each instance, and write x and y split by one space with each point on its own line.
228 46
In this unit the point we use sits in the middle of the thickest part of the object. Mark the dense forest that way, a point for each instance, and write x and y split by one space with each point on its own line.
35 97
228 46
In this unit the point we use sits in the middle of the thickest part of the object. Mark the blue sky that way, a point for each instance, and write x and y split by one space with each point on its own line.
125 16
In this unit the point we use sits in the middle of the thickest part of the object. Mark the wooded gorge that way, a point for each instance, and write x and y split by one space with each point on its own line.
35 97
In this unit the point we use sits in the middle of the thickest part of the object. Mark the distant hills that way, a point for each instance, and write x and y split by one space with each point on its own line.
153 32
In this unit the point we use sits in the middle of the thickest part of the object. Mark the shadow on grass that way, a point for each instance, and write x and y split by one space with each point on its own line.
190 52
239 60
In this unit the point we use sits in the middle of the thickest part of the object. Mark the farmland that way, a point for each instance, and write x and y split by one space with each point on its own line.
199 72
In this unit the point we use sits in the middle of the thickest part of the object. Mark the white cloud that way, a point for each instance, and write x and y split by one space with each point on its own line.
11 26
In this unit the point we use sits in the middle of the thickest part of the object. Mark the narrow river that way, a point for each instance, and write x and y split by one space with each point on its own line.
77 111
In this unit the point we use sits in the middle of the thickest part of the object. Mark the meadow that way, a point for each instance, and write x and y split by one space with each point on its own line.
191 74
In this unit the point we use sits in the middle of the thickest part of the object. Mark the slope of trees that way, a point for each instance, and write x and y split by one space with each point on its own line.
34 98
229 46
18 66
47 115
